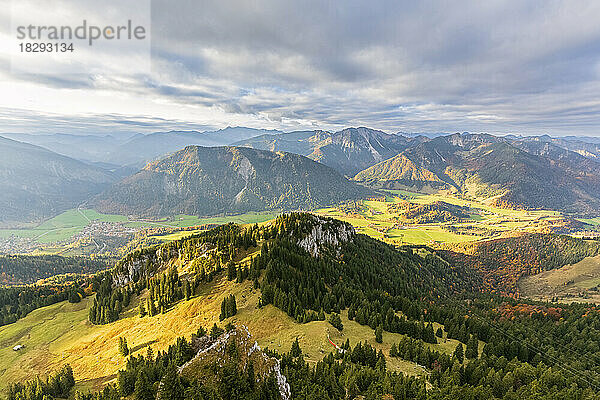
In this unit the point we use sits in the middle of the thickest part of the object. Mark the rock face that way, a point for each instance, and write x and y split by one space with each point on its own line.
134 266
138 264
326 232
215 350
348 151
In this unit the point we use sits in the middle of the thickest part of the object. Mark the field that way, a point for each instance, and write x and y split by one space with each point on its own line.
484 221
62 226
72 222
577 282
591 221
61 334
369 217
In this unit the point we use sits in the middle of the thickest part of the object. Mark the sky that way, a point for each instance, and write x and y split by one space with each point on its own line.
504 67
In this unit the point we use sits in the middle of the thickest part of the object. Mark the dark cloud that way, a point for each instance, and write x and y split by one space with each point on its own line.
496 66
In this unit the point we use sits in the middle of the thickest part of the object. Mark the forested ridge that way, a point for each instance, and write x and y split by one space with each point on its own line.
20 296
23 269
502 262
310 266
212 180
17 302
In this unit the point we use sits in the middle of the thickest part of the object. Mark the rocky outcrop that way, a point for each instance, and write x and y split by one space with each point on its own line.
136 265
326 232
214 350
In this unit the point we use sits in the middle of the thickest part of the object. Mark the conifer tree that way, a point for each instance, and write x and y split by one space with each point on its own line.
123 348
459 353
336 321
295 351
142 309
171 387
379 334
472 347
143 387
394 350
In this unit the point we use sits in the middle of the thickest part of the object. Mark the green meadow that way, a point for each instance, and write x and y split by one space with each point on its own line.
63 226
484 222
71 222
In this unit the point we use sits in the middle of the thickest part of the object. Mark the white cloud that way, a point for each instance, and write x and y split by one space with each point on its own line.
494 66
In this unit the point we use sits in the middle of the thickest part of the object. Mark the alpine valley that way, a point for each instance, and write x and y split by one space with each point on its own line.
258 264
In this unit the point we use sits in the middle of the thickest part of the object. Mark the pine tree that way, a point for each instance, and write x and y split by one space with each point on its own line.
459 353
231 272
336 321
171 387
123 348
428 334
228 307
394 350
224 304
232 306
215 331
142 309
379 334
187 290
250 375
472 347
143 387
295 351
149 354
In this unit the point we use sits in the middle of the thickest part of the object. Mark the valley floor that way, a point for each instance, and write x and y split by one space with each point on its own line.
381 220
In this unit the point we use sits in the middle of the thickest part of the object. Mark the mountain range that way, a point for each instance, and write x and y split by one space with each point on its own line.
133 150
525 172
348 151
528 174
36 183
213 180
143 148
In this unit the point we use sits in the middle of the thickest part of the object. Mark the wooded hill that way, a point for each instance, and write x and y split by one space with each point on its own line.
307 266
36 183
502 262
210 181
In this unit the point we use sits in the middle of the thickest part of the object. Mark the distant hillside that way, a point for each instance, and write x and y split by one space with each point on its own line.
89 148
144 148
398 170
512 173
347 151
23 269
502 262
208 181
587 147
36 183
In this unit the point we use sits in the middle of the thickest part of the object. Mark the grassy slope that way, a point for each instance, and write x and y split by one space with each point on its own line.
568 282
60 334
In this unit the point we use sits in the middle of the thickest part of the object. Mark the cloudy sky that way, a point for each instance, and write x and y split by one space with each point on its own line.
529 67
